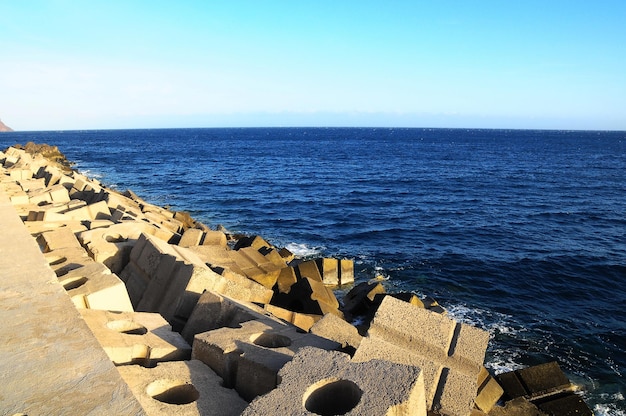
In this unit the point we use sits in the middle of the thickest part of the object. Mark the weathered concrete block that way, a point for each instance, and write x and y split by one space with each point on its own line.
309 269
96 211
360 299
54 194
112 245
308 296
191 237
327 383
136 337
329 270
31 185
59 238
254 241
301 320
214 311
66 259
20 174
333 327
286 278
537 381
214 238
248 358
346 271
456 351
186 388
489 391
93 286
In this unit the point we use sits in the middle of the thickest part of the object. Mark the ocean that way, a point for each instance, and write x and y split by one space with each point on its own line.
519 232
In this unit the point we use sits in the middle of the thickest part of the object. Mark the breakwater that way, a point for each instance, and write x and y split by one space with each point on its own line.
239 299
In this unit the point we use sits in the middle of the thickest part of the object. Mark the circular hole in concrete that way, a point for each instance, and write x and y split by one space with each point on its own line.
172 391
332 397
115 238
126 326
270 340
74 283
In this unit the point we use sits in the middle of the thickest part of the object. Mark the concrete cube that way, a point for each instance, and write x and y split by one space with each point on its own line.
328 383
248 358
185 388
136 337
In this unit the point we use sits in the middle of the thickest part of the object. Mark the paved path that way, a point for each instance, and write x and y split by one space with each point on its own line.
50 362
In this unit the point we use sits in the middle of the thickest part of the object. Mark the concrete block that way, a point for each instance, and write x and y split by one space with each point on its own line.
286 278
66 259
185 388
214 238
346 271
38 227
254 241
59 238
136 337
31 185
96 211
248 358
93 286
301 320
489 391
213 311
535 382
569 404
329 270
308 296
20 174
327 383
191 237
54 194
309 269
334 328
112 245
452 353
360 299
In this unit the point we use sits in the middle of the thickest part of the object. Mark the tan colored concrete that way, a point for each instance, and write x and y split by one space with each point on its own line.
451 353
51 362
249 357
333 327
182 388
325 382
301 320
136 337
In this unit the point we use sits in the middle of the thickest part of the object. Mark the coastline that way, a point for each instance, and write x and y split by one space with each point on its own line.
167 234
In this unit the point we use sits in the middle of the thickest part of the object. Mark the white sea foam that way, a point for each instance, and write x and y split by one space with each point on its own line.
91 174
608 409
302 250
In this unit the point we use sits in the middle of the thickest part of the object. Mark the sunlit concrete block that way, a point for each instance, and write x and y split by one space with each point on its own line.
112 245
59 238
136 337
249 358
186 388
328 383
93 286
333 327
301 320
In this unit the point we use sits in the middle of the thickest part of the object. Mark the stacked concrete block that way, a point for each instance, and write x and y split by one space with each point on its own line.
330 271
93 286
303 321
112 245
546 387
308 296
318 382
185 388
170 279
48 195
451 354
136 337
249 358
30 185
215 311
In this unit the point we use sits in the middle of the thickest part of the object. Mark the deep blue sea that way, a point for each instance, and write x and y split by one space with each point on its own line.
520 232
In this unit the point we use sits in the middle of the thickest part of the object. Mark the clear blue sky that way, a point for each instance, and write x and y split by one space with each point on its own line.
68 64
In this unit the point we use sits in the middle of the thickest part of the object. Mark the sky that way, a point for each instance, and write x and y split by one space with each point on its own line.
73 65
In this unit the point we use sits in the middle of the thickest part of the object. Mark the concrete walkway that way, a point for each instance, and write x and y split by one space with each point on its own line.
50 362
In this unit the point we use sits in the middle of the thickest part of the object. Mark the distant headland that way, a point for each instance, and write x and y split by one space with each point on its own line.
4 127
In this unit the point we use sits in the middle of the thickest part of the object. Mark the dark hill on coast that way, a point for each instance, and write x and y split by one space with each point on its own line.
4 127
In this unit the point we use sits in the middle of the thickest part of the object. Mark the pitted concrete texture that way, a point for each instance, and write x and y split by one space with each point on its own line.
408 334
51 362
181 388
215 311
249 357
136 337
301 320
489 391
318 382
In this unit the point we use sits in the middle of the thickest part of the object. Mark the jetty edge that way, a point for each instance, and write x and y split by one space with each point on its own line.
113 305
